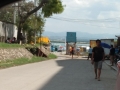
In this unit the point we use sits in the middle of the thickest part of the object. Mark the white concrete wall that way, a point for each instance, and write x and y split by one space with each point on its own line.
11 30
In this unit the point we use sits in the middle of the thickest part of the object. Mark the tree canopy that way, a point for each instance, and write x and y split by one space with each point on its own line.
48 8
6 14
26 9
52 7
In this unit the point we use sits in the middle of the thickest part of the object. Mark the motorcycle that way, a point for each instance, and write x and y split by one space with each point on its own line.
117 58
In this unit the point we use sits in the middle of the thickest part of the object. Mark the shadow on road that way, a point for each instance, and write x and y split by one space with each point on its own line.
78 75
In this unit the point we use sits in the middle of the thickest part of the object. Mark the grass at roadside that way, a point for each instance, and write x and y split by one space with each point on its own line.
52 56
7 45
10 45
22 61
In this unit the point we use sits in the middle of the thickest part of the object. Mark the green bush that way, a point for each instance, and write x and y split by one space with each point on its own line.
32 49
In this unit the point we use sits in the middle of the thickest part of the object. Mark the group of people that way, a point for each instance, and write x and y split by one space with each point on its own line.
112 54
97 58
13 40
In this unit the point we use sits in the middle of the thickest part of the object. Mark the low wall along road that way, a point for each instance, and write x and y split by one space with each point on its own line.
15 53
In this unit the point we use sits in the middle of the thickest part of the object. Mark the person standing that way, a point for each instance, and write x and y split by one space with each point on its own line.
90 53
70 50
112 55
97 59
78 51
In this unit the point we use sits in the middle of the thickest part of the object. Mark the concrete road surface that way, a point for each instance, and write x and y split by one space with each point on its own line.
59 74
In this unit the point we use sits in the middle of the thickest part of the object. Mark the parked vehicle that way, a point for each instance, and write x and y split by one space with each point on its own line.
92 43
117 58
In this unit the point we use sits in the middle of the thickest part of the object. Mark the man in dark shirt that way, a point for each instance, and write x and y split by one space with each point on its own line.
112 55
97 59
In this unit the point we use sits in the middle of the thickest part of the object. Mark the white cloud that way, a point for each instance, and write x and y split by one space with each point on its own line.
83 3
109 14
88 9
86 3
91 8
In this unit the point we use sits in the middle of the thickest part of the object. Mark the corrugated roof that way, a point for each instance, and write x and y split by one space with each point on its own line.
6 2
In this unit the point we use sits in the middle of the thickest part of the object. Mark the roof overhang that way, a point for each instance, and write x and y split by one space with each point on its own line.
7 2
117 35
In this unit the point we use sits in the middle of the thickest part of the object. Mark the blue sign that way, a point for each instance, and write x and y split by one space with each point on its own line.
71 37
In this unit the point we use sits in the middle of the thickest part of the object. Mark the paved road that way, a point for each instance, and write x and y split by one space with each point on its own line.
60 74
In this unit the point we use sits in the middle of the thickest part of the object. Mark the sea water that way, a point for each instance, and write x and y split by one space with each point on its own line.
77 45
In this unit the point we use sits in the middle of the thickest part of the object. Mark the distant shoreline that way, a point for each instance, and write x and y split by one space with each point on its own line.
82 44
64 42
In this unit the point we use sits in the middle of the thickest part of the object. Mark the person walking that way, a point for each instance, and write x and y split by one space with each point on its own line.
97 59
72 52
90 53
112 55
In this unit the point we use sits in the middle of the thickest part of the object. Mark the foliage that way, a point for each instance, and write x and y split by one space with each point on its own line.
6 14
26 9
55 7
33 49
49 7
33 25
52 7
36 22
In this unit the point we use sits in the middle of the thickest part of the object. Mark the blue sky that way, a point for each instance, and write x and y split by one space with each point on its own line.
105 16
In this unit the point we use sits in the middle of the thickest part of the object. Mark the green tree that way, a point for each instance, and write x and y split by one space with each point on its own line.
36 24
48 7
33 26
27 8
6 14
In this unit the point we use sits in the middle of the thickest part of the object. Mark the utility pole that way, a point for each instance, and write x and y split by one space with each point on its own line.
14 19
18 21
18 12
35 4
